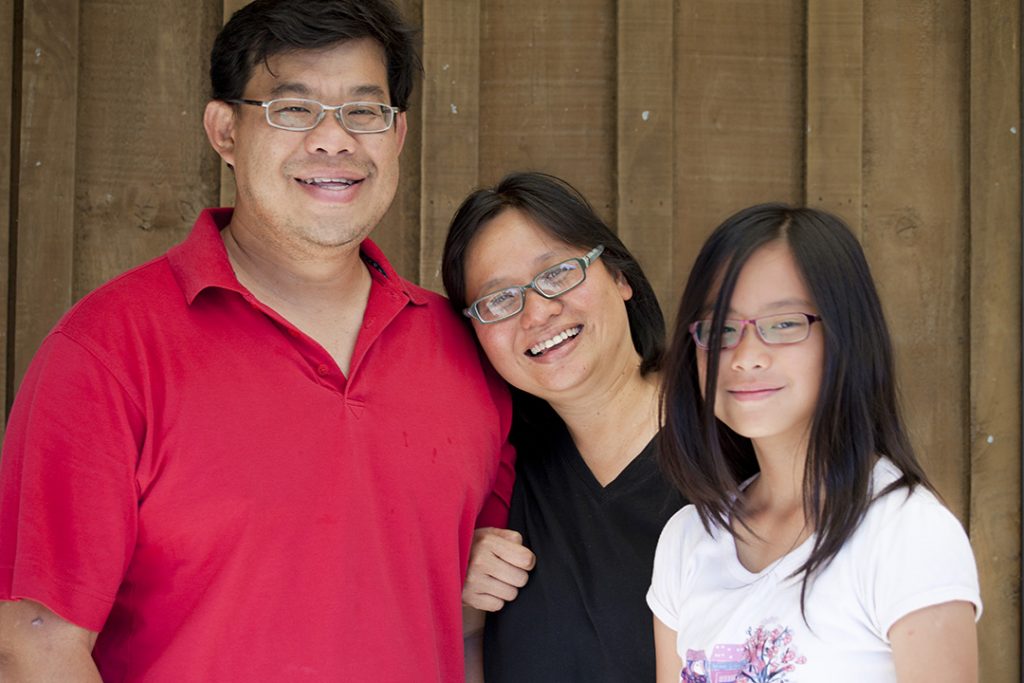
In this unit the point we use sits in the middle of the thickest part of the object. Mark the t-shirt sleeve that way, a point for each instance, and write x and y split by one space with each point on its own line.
921 558
495 510
68 497
663 597
496 506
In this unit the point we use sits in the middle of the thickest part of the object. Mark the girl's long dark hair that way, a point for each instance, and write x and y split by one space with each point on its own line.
857 416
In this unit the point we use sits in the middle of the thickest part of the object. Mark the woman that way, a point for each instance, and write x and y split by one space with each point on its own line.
566 316
836 562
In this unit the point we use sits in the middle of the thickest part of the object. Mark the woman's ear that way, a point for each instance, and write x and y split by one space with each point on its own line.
219 122
624 288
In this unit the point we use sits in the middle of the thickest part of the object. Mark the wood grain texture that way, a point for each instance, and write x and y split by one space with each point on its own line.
995 325
547 83
10 101
399 232
835 107
739 101
644 159
916 215
138 193
46 200
451 123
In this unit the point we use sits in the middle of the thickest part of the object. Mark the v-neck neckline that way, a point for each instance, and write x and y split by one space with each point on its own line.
622 481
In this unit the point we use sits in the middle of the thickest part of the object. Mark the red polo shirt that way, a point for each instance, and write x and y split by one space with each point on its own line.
192 476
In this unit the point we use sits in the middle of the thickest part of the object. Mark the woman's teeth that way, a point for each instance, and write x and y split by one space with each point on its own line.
543 346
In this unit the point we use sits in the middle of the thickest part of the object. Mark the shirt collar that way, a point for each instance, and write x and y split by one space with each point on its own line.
201 261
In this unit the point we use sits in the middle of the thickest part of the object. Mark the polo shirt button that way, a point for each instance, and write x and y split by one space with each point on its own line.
322 370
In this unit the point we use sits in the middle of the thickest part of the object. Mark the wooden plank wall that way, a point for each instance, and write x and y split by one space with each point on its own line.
904 118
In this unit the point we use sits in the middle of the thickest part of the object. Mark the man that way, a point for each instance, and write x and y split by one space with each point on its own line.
261 456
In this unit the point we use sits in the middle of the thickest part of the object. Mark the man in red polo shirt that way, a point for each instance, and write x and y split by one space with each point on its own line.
261 456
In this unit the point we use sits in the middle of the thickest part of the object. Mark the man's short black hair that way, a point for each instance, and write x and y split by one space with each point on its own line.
265 28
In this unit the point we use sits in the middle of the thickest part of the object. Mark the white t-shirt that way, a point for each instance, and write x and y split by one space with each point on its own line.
907 553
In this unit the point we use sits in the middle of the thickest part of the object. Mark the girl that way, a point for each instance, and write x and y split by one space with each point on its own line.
836 561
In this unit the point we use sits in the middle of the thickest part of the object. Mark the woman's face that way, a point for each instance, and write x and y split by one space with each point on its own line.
559 348
768 392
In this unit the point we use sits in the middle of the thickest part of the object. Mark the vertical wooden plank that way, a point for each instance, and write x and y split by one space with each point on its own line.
547 79
138 194
46 174
9 100
646 140
915 217
835 107
995 325
451 122
739 101
400 230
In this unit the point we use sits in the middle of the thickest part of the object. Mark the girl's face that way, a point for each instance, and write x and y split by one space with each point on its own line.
586 327
768 392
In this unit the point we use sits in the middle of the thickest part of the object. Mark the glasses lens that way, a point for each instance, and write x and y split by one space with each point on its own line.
367 117
294 114
561 278
701 331
784 329
731 331
500 305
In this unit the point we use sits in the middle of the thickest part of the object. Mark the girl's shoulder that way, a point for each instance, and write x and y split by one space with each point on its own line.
901 504
684 532
910 551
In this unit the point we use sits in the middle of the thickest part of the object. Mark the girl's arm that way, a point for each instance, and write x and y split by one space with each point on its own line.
669 664
935 644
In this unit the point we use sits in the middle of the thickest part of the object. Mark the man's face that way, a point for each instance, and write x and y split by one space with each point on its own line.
318 189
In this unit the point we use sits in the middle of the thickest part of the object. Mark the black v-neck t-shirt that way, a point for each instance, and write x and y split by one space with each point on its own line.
582 616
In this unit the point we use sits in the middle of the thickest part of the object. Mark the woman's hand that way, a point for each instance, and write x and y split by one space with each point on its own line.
499 565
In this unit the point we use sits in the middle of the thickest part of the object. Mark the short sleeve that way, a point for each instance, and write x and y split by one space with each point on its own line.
68 497
496 506
495 510
663 597
921 558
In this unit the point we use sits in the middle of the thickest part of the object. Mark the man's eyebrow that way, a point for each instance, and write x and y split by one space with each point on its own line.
289 88
368 90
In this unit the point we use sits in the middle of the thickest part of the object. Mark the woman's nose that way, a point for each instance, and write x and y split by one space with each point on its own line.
537 310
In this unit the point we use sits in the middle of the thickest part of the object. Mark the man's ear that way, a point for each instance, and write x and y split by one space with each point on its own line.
219 122
401 128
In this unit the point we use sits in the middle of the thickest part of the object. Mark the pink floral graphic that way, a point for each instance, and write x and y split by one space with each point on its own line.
768 656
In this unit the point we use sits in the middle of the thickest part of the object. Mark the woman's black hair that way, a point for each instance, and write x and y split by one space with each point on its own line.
265 28
557 207
857 416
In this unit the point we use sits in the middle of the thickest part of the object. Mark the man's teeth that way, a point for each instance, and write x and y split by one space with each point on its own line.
328 181
543 346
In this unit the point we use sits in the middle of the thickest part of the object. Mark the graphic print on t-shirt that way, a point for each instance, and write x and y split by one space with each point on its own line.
768 656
